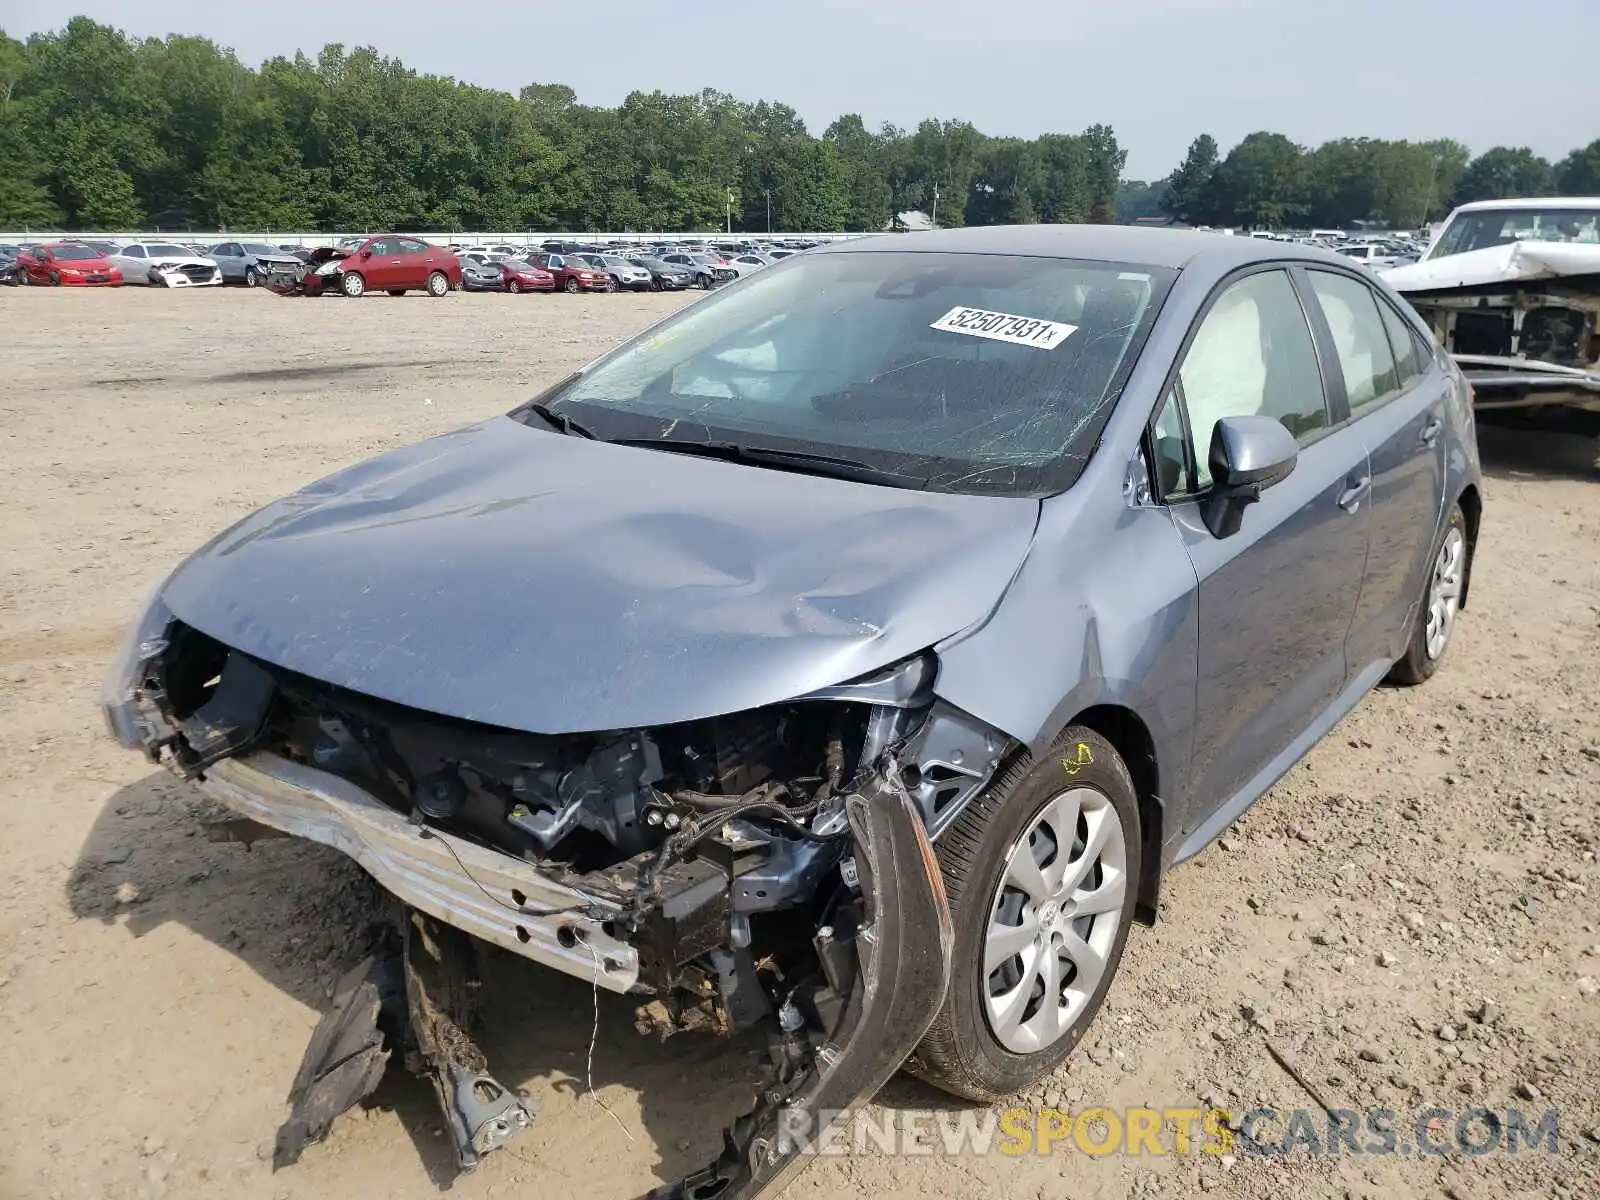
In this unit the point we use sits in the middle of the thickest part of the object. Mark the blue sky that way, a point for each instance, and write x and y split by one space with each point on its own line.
1159 71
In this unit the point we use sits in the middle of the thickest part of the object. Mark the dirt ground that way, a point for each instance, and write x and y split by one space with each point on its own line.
1437 851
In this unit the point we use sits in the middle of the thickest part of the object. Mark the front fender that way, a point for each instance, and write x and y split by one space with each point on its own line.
904 949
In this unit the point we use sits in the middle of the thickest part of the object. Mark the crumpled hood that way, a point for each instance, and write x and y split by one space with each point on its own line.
1512 263
522 578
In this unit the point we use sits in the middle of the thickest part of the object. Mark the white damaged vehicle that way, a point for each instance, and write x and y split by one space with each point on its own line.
1511 289
165 264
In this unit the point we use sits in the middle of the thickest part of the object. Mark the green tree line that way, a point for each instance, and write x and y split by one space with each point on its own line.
1268 181
102 131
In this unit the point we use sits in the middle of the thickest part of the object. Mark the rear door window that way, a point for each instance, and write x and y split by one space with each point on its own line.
1359 337
1411 357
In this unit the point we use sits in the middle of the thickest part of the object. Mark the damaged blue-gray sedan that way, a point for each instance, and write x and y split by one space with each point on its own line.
849 654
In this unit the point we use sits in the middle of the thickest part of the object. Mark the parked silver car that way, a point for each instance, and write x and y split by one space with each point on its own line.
250 263
164 264
849 655
626 275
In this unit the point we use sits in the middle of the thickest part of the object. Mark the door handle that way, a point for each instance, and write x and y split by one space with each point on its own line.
1430 431
1350 499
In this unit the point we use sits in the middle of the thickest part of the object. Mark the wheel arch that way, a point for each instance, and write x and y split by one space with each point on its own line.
1133 742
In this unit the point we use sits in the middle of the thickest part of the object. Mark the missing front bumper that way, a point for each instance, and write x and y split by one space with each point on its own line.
489 895
896 963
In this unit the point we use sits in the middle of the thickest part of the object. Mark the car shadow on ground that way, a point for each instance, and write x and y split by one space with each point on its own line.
1515 452
300 915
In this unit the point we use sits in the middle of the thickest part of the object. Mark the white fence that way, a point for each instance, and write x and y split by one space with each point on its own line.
460 238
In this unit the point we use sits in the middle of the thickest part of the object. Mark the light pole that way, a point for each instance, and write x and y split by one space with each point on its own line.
933 217
768 195
728 208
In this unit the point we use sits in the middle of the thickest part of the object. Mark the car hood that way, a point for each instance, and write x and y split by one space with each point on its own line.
173 260
522 578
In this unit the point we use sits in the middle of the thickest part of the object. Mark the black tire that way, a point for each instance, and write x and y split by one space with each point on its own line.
352 284
611 283
960 1054
655 284
396 291
513 287
573 287
1417 665
437 285
251 278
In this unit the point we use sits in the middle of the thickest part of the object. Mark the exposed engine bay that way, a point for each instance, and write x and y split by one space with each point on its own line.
1521 318
728 873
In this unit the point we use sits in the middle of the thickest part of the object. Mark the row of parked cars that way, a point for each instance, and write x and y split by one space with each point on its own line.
392 263
580 267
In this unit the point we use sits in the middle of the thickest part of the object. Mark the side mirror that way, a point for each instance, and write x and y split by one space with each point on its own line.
1248 455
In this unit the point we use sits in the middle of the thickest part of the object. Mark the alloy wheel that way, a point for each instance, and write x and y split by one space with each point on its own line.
1054 919
1444 593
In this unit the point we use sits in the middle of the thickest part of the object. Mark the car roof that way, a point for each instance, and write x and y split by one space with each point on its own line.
1579 202
1176 249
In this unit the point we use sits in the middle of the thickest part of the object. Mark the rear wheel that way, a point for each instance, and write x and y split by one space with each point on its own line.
352 285
438 285
1042 870
1441 602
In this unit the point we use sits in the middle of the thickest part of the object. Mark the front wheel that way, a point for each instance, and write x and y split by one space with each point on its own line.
1441 602
572 286
352 285
1042 871
513 287
611 284
438 285
251 279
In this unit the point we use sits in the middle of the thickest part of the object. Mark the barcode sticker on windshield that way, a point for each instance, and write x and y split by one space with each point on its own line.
1005 327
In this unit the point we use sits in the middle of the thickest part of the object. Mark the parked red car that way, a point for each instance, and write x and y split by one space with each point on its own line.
573 274
525 277
389 263
67 264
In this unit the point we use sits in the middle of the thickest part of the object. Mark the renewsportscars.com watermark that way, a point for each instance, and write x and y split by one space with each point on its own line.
1099 1132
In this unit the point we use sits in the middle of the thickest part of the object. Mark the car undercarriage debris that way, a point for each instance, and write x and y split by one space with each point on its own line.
418 995
347 1054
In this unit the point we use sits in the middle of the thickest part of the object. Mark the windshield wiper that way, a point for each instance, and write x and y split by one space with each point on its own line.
560 420
770 456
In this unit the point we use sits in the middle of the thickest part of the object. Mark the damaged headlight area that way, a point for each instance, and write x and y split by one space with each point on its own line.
768 868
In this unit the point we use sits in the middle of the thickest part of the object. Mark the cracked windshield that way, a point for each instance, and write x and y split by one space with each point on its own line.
954 371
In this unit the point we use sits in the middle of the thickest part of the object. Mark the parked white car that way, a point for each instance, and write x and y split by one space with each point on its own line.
1368 254
163 264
